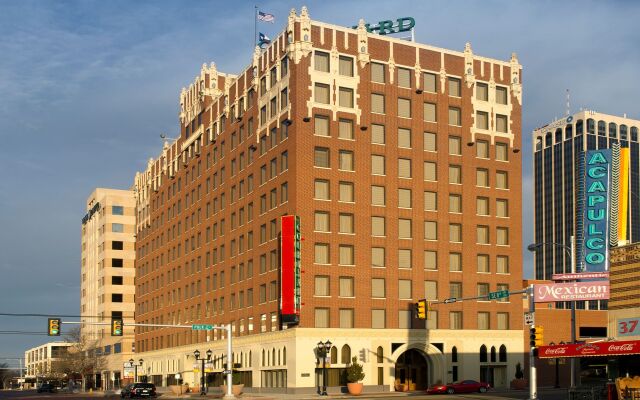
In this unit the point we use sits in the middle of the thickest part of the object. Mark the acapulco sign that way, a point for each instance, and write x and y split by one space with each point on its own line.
622 348
547 293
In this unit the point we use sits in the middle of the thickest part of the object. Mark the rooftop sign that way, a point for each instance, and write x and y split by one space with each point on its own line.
386 27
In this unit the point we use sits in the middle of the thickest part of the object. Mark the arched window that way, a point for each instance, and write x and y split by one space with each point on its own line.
454 354
568 131
334 354
380 355
623 132
279 356
250 359
558 135
634 134
284 356
579 127
493 353
502 355
539 143
263 357
602 128
345 354
613 130
547 139
483 353
273 357
591 126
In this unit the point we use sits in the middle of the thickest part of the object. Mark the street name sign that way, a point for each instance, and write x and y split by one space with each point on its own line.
201 327
498 295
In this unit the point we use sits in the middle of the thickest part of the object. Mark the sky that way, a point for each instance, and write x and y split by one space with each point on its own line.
86 88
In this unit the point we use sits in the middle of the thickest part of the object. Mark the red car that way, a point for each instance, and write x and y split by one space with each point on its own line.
467 386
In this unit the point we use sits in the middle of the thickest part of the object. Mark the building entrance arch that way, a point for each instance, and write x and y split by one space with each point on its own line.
417 366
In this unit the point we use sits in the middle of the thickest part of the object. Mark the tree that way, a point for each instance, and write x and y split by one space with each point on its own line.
6 373
80 359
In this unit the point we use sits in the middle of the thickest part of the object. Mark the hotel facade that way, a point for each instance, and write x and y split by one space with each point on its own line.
402 162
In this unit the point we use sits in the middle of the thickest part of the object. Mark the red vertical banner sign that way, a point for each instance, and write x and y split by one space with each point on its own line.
290 269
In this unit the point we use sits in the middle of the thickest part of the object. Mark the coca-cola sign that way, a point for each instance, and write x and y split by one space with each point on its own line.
551 292
590 349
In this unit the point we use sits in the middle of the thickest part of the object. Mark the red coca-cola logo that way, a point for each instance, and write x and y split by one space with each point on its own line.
622 347
556 351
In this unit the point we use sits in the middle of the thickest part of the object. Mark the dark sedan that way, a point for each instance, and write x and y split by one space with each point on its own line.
46 388
139 390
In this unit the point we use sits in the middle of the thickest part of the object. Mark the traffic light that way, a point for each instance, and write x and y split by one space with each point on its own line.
536 338
116 327
421 309
54 327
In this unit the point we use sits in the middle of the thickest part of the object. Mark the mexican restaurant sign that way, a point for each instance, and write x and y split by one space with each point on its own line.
551 292
618 348
597 176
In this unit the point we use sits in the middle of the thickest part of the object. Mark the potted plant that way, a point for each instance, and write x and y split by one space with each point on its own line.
519 383
355 375
236 384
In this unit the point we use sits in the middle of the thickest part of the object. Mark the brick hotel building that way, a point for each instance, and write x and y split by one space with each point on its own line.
401 160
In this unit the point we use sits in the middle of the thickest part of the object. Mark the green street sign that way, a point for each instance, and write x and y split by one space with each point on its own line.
498 295
201 327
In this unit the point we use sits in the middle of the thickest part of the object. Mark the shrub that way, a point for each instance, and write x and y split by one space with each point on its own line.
354 371
519 373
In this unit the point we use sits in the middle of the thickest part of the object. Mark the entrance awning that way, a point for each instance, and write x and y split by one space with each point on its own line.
596 349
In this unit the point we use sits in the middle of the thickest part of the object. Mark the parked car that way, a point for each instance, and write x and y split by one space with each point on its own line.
139 390
467 386
46 388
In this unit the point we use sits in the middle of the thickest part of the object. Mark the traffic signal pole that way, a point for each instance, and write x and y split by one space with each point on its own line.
533 382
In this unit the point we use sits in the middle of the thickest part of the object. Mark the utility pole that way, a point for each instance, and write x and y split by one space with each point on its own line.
533 383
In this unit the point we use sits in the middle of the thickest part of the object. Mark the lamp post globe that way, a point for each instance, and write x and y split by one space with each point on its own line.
197 353
327 345
141 361
209 353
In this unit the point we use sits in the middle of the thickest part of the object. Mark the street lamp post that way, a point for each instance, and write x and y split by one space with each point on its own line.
571 250
196 353
323 350
135 368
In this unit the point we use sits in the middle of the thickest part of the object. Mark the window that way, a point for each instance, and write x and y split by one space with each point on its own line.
377 103
346 286
346 66
430 82
377 164
116 280
321 126
482 234
429 110
430 260
429 141
321 189
502 208
404 289
377 72
378 319
404 228
430 230
455 174
346 129
321 317
502 236
455 320
483 289
321 61
378 226
455 203
404 138
502 153
455 262
455 116
482 120
483 320
378 288
117 228
501 95
430 171
377 257
502 287
404 258
346 192
321 286
431 290
404 198
321 157
503 321
455 289
322 221
378 197
117 210
404 77
430 201
116 297
501 123
346 318
345 98
117 263
345 160
377 134
454 87
322 93
502 264
346 223
502 181
455 146
117 245
404 168
482 149
455 233
482 261
482 177
404 108
482 206
321 251
482 91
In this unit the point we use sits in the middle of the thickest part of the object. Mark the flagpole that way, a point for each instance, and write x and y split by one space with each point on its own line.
255 26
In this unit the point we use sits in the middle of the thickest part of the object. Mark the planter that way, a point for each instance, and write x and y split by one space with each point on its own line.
235 389
401 387
519 384
355 388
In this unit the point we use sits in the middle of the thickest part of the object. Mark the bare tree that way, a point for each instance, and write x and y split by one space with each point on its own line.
80 359
6 373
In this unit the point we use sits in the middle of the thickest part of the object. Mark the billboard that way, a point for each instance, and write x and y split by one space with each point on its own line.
552 292
290 247
597 177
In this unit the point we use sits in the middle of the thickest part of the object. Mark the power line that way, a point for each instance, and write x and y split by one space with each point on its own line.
58 315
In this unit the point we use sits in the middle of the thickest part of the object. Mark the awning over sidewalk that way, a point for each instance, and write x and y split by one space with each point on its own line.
597 349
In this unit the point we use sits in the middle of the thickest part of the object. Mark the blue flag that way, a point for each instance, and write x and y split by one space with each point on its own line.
263 39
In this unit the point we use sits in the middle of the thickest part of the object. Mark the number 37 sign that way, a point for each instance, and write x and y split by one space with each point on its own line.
629 327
